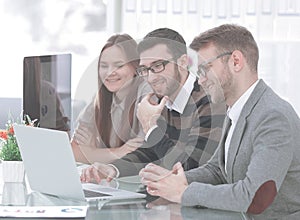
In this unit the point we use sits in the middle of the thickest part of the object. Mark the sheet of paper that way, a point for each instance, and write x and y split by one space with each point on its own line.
43 211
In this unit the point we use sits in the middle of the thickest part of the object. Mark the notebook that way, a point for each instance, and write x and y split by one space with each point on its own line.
51 168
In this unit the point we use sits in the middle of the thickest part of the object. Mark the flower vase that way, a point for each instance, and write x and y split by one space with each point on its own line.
14 188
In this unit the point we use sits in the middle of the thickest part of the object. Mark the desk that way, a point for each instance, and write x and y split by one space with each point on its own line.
129 209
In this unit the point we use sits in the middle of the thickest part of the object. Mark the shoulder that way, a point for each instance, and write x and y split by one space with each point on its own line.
271 112
88 112
269 103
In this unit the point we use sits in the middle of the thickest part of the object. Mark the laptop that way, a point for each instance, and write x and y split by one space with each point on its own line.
51 168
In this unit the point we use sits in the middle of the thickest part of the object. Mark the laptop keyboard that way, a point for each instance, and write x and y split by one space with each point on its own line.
89 194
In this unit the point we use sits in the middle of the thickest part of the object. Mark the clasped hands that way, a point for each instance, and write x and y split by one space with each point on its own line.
161 182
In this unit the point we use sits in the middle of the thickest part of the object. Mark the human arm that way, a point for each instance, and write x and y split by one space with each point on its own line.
272 154
260 166
97 172
192 140
91 154
87 145
170 185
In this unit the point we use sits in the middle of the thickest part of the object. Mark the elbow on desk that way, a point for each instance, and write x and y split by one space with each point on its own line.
263 198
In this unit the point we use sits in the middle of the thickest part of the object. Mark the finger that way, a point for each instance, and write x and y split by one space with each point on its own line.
155 185
163 102
111 174
148 177
180 171
86 174
82 176
158 170
177 167
141 172
99 171
152 191
148 97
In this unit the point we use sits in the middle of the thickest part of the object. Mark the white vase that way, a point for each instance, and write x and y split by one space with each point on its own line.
13 171
14 188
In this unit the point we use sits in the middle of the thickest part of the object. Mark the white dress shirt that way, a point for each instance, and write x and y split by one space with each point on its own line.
234 114
180 101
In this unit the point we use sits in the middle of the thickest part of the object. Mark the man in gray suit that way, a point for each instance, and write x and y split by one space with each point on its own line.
256 167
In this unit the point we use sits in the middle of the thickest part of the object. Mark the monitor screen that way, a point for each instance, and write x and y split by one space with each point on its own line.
47 90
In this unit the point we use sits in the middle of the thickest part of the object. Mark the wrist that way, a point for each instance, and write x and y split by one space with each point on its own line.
116 172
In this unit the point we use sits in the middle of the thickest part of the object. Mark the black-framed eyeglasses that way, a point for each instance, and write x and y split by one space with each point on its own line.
203 68
156 67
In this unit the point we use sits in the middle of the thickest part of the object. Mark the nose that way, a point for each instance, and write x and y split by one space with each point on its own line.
111 70
201 79
151 76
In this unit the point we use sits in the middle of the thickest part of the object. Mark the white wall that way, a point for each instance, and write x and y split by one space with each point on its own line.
274 23
80 27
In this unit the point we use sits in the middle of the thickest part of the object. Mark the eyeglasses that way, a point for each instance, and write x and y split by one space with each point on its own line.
157 67
204 67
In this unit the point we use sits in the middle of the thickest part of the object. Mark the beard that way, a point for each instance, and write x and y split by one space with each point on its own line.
222 87
171 86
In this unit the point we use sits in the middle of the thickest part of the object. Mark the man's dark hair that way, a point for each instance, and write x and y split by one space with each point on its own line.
172 39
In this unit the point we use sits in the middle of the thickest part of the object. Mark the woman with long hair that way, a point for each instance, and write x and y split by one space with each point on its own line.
108 128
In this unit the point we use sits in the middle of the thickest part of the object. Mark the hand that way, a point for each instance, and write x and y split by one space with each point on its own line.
97 172
148 112
82 135
164 183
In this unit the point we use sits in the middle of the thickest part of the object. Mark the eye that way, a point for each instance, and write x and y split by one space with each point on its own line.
142 70
120 65
157 66
103 66
205 68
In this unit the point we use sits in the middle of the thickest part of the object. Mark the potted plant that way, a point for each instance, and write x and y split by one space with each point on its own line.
14 188
12 165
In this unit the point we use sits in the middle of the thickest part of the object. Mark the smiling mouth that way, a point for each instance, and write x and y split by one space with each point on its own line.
112 80
208 86
157 83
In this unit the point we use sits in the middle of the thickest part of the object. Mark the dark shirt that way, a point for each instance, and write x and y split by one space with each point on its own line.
191 137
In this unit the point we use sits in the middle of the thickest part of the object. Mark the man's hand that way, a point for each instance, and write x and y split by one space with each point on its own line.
167 184
97 172
148 112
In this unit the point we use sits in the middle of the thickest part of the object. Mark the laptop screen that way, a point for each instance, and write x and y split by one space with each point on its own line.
47 90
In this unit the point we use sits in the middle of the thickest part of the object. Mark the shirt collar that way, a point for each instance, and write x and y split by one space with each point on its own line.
235 111
183 96
116 103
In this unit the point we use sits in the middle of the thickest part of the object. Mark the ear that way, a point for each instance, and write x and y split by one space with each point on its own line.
182 62
238 60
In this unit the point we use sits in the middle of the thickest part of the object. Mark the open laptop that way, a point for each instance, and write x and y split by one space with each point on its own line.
51 168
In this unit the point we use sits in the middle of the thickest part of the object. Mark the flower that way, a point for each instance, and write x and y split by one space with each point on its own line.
9 147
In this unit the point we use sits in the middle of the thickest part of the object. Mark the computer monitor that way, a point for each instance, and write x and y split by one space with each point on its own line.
47 90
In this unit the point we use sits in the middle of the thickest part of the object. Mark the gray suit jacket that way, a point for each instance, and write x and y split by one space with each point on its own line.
265 146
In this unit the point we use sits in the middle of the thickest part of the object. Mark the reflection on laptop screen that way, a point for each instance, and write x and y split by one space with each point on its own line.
47 90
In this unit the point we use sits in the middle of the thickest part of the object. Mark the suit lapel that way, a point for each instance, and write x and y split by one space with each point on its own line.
240 127
222 143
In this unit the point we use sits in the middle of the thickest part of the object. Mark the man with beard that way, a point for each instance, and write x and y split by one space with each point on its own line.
256 167
180 122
